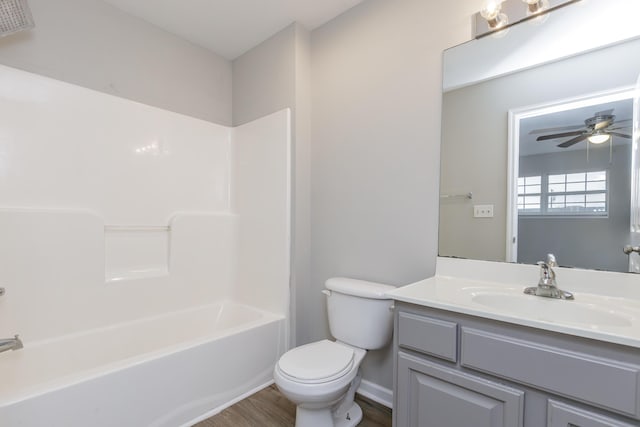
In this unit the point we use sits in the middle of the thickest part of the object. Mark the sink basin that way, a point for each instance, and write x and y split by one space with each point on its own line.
585 312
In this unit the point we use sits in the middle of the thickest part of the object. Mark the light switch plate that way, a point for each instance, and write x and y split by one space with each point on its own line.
483 211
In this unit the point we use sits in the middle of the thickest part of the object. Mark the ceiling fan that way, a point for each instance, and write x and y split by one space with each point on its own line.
596 129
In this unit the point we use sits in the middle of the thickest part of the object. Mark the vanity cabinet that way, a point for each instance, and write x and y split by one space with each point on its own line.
456 370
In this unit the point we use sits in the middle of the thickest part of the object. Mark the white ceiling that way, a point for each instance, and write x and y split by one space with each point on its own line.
232 27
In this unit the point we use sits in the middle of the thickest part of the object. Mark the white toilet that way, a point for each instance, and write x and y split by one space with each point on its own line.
321 378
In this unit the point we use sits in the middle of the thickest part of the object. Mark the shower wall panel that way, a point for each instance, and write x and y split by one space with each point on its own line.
110 210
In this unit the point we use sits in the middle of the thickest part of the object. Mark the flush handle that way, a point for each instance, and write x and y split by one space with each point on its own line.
326 292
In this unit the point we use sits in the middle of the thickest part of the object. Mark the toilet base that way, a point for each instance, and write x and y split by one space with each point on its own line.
306 417
325 418
351 419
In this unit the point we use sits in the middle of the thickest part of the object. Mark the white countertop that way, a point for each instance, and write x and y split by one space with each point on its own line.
606 305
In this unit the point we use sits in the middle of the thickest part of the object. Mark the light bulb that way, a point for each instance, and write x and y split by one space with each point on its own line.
491 9
491 12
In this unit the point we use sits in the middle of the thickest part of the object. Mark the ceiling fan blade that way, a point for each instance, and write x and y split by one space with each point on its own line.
559 135
621 135
572 141
557 129
619 127
604 113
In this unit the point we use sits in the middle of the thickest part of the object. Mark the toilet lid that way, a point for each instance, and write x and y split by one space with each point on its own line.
317 362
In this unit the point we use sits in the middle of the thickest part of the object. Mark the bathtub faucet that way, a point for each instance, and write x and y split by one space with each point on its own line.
10 344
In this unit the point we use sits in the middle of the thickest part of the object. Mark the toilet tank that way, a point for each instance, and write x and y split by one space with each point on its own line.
360 314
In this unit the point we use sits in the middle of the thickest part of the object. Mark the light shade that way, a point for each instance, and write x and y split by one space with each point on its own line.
599 138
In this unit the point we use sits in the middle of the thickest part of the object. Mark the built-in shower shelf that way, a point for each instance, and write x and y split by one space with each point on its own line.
137 227
136 252
135 275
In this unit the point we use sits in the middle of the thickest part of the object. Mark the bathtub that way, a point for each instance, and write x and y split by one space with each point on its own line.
166 371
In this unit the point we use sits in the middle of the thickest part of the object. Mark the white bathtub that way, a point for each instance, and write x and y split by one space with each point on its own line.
166 371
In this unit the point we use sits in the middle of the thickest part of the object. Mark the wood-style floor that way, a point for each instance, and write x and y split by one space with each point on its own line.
269 408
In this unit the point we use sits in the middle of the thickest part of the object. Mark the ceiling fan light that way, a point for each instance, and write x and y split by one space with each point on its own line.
598 138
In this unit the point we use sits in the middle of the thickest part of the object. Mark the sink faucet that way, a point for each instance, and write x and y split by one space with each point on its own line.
10 344
547 286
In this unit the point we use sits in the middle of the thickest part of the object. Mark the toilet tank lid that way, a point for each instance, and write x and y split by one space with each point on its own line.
358 288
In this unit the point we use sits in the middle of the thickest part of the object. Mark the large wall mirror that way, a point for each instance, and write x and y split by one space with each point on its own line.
537 137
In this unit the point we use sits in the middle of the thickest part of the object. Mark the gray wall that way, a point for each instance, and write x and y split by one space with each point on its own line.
586 242
376 94
475 144
93 44
264 77
272 76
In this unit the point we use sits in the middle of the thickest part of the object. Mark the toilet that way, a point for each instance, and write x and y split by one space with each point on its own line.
321 378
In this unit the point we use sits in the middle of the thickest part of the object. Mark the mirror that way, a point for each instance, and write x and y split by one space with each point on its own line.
500 96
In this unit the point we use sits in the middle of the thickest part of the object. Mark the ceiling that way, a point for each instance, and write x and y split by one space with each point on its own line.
232 27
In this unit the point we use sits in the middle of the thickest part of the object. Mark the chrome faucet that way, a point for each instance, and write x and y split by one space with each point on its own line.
10 344
547 286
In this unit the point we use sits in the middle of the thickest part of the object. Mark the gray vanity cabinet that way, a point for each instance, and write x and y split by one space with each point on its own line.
455 370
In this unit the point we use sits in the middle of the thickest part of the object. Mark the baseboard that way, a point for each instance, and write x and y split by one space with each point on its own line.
377 393
224 406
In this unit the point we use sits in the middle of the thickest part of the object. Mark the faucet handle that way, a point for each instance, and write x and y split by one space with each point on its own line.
551 260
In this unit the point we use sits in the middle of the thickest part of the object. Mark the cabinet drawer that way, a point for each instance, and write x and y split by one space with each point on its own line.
562 415
606 383
435 337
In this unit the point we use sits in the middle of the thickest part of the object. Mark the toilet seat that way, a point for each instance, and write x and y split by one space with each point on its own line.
316 363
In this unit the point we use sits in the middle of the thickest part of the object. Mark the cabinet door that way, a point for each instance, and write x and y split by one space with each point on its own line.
562 415
431 395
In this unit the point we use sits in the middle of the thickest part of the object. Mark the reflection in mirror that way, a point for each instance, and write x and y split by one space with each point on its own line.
572 189
475 157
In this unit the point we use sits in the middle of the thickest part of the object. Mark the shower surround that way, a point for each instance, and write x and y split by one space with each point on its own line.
137 245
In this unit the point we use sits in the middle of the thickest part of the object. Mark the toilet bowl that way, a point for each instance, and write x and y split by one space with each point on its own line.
321 378
316 377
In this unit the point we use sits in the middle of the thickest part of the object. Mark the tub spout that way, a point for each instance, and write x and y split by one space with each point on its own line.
10 344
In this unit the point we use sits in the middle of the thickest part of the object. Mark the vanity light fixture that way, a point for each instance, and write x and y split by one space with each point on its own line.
492 12
599 137
492 17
